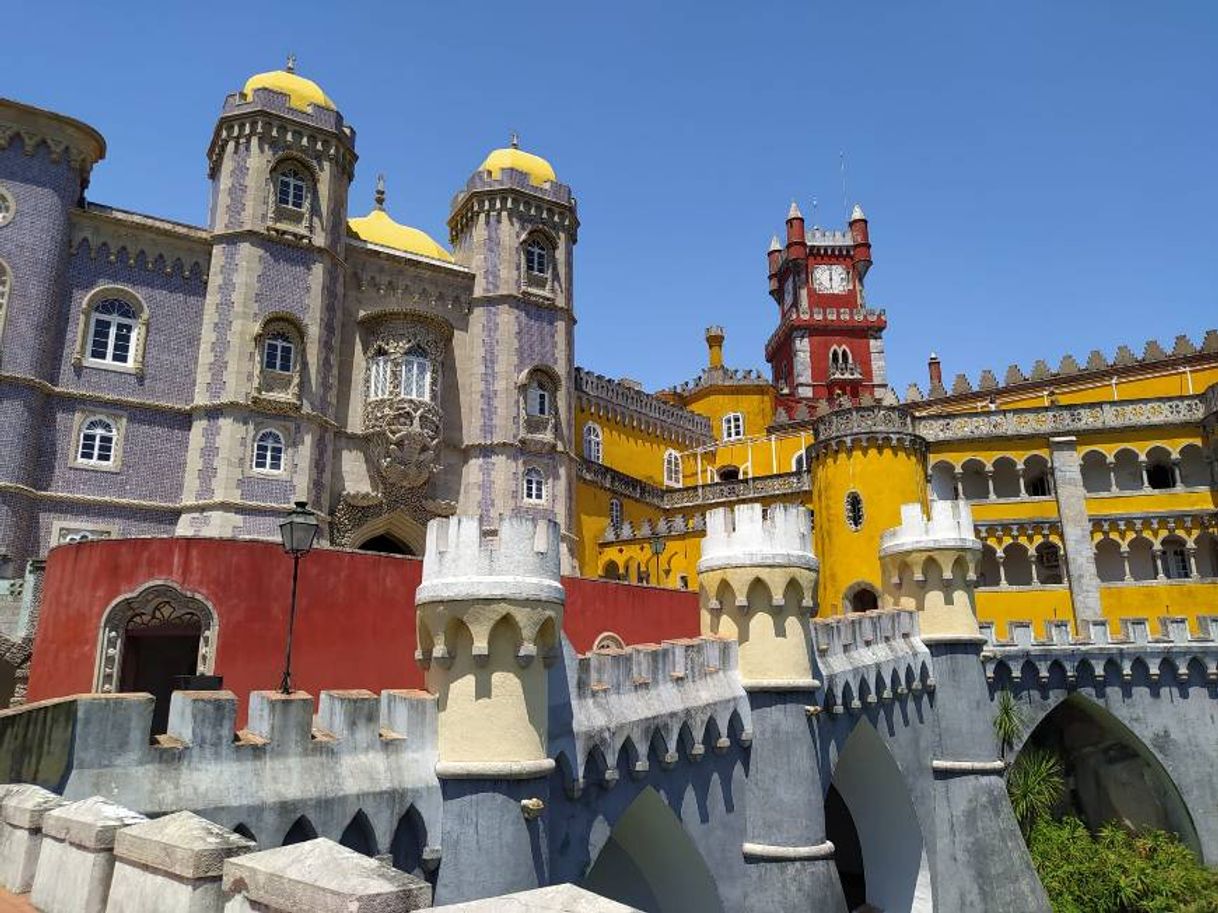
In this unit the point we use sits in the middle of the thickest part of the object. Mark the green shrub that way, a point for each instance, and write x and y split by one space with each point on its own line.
1115 871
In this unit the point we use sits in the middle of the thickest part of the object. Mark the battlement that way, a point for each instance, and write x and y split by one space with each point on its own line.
678 698
747 535
655 414
1062 656
521 561
868 656
950 526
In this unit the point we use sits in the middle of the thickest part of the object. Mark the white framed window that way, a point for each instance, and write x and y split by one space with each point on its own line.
799 462
534 486
540 398
378 377
672 468
291 189
279 353
112 330
592 442
416 374
8 208
97 439
615 513
268 451
537 258
733 426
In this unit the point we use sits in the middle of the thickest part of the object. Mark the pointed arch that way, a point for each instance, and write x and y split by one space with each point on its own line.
301 830
650 862
887 838
245 832
396 527
409 842
358 835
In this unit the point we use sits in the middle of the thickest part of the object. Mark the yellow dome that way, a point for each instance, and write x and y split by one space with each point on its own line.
301 92
378 228
538 169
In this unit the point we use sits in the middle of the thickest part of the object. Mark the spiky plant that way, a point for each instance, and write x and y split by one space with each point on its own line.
1008 721
1035 784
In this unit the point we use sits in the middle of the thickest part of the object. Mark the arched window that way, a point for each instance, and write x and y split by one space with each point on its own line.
96 448
855 514
799 462
615 513
537 258
539 399
112 330
378 376
729 473
733 426
534 486
1160 471
278 353
608 641
672 468
416 374
592 442
1175 559
268 451
291 188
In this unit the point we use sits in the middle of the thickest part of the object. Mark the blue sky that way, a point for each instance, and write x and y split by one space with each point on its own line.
1039 176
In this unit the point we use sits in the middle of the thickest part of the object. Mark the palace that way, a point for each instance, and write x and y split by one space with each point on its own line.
168 392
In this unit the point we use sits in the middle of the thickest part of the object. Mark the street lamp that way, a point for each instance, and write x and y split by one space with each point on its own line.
298 532
657 549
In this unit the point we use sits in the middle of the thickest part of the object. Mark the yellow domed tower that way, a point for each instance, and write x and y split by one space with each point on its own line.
866 462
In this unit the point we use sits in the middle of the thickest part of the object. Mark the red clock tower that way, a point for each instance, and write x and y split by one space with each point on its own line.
828 344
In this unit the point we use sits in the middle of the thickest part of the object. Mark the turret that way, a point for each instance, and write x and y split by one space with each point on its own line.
281 161
934 370
774 263
515 226
488 623
862 241
797 241
757 577
930 564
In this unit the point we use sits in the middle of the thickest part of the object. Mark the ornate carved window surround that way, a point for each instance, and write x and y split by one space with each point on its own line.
138 343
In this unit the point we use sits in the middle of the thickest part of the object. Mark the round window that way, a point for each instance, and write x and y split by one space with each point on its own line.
7 207
854 510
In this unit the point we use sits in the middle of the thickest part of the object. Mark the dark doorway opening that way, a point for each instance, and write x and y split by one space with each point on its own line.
386 545
864 600
153 658
848 852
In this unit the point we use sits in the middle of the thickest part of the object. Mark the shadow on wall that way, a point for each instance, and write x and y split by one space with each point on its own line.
883 860
649 862
1110 774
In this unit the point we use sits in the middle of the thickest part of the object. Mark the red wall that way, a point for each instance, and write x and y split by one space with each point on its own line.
355 618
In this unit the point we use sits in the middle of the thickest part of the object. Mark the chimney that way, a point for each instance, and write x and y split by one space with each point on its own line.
936 372
714 346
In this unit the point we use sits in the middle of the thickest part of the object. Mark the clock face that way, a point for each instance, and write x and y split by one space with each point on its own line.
830 278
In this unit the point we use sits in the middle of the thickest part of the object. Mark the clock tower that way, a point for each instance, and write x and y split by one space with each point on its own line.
829 344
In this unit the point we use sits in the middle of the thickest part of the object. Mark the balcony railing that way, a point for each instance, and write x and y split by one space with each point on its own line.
695 495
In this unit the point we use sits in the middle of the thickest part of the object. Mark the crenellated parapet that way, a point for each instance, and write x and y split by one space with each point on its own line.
488 607
866 426
757 578
929 564
651 703
283 764
1097 655
867 657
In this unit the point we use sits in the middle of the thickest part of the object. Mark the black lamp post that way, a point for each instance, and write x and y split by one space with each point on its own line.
657 549
298 532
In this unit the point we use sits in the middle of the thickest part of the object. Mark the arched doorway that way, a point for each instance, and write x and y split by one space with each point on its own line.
861 597
150 639
1111 775
882 856
385 544
650 862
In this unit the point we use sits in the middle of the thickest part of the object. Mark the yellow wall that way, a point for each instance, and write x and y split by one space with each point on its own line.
1156 599
886 478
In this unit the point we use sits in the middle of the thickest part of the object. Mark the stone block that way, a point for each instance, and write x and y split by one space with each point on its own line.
77 861
21 839
318 876
172 865
559 898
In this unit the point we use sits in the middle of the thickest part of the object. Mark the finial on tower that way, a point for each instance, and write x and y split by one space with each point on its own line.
514 141
793 212
857 213
291 64
774 245
380 191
